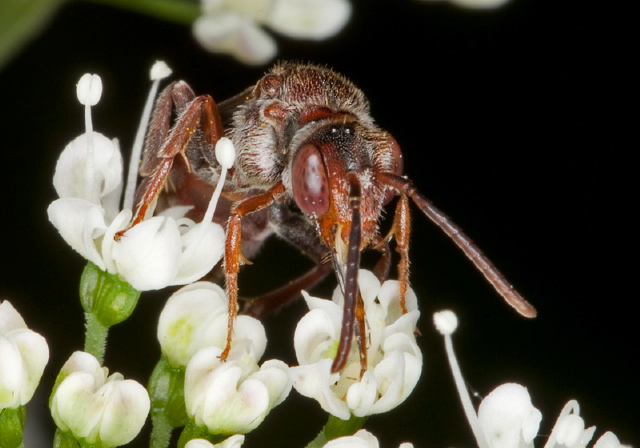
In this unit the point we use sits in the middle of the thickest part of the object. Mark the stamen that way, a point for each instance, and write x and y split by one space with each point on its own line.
159 71
226 155
446 323
88 91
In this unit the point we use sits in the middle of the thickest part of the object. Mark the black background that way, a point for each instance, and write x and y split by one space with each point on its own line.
512 121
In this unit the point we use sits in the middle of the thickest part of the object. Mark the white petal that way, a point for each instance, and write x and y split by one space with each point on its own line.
10 319
362 395
570 430
234 441
11 375
227 32
309 19
70 178
274 374
73 407
315 334
216 395
315 381
184 321
202 248
507 417
607 440
361 439
390 300
147 256
395 388
79 222
34 353
124 413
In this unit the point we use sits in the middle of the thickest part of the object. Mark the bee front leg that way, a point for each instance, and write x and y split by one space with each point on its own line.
232 254
195 115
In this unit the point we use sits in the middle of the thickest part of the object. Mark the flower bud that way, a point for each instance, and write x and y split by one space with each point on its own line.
95 408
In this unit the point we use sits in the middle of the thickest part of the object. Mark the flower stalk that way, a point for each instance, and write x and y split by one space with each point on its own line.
166 389
106 301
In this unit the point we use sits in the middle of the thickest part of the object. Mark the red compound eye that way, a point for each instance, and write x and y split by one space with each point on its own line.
310 182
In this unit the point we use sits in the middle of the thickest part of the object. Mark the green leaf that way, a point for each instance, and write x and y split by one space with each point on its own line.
20 21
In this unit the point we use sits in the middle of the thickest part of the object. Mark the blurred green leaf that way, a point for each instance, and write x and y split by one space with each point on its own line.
20 21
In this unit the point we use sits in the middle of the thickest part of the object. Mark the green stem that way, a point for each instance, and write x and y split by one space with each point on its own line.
95 341
178 11
161 431
335 428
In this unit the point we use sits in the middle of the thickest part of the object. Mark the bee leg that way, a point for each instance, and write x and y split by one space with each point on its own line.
261 306
294 228
196 115
232 253
401 231
473 252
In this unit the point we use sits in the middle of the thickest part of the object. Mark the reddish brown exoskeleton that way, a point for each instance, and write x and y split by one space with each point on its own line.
312 167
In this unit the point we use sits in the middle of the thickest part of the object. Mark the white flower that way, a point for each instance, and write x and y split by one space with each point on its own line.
235 396
105 410
361 439
394 359
232 442
506 417
195 317
23 356
156 253
233 26
226 397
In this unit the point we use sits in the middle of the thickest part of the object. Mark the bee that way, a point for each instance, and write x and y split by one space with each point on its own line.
312 167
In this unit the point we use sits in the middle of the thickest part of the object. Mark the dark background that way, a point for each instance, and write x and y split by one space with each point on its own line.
511 121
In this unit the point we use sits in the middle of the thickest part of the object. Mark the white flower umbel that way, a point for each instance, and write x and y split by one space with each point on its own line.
97 409
235 396
361 439
234 26
158 252
195 317
394 359
506 417
23 357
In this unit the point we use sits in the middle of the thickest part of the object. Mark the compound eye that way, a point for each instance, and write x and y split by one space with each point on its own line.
397 165
310 181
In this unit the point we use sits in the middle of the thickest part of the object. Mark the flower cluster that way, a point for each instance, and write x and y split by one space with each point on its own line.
506 417
217 401
229 397
394 359
159 252
233 26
